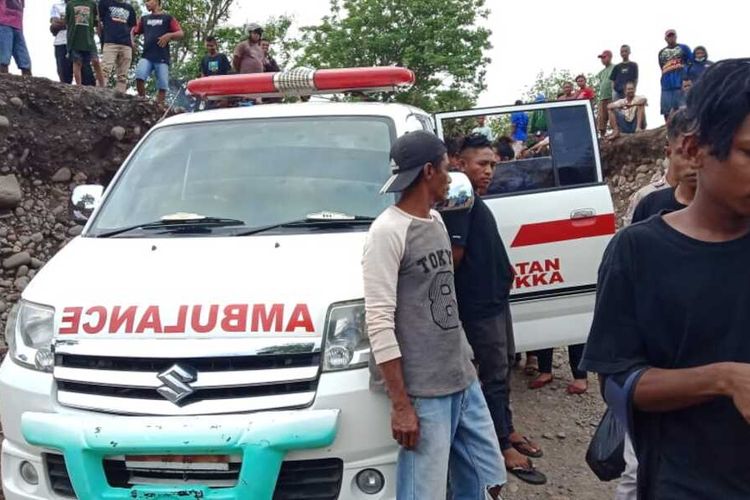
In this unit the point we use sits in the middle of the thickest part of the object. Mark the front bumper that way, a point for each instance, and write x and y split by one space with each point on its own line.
263 440
346 411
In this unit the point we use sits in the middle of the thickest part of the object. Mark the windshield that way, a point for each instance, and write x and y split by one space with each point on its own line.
260 171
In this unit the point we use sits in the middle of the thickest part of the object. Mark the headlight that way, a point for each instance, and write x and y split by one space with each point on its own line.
29 333
346 344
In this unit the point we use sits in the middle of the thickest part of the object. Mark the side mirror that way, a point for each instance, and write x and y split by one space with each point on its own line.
460 194
84 200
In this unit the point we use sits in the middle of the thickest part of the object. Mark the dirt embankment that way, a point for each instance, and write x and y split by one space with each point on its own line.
52 138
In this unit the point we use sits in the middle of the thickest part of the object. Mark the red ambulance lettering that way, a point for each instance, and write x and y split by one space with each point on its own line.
151 320
181 321
209 325
300 318
70 320
267 321
235 318
537 273
120 317
232 318
552 264
100 313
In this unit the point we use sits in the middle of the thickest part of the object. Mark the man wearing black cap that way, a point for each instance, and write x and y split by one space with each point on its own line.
248 55
439 415
673 60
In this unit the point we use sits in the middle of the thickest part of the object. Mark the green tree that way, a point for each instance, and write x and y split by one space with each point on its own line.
440 40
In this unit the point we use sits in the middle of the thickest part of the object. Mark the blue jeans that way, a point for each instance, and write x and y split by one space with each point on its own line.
456 440
13 44
145 68
625 126
670 100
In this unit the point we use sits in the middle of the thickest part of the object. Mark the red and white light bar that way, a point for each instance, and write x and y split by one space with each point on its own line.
302 81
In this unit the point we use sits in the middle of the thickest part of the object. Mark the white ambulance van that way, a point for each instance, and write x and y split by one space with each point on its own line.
204 336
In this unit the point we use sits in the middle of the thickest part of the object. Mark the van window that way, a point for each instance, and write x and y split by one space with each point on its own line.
261 171
557 152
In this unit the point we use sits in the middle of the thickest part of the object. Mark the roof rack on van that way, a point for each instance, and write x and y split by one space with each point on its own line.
302 81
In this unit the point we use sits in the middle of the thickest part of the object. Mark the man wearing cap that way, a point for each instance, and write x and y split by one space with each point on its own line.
673 60
438 413
248 55
605 92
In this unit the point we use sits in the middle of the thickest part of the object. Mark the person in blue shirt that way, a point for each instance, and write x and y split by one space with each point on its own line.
699 65
520 122
673 60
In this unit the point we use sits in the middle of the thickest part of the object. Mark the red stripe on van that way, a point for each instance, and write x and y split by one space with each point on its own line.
564 230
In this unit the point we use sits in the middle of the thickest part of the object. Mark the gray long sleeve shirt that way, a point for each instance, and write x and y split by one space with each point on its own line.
410 303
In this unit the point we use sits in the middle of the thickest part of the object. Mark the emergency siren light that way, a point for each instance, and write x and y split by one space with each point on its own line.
301 81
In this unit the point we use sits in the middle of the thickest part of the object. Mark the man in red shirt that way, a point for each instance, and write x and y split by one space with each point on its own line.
584 91
158 29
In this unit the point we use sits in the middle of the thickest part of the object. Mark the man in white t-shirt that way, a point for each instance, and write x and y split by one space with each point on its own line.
57 27
59 31
629 113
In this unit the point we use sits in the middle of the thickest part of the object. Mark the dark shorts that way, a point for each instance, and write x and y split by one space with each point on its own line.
625 126
83 56
670 100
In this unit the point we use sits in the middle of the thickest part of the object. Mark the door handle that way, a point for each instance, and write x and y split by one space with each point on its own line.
582 213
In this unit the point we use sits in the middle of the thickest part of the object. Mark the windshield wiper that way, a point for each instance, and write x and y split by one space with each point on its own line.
319 219
177 223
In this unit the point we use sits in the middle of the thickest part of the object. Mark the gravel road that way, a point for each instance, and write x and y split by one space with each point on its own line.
563 425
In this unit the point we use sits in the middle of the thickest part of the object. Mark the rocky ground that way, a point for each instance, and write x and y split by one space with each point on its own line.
562 425
54 137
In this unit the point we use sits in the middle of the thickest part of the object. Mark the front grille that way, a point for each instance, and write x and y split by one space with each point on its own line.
223 384
124 475
310 480
298 480
222 364
57 474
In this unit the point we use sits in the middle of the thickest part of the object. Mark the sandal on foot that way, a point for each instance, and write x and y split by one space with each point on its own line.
529 474
526 447
538 384
574 389
531 368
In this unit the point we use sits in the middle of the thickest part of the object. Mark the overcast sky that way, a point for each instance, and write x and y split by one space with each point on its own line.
527 37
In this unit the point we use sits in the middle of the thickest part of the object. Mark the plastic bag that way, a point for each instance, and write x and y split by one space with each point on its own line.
605 453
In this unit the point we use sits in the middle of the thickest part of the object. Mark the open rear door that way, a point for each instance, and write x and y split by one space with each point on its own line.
555 215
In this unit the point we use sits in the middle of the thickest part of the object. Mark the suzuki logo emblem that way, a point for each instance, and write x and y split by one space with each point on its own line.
177 382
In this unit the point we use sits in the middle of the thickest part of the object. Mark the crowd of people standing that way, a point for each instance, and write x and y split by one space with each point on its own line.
76 24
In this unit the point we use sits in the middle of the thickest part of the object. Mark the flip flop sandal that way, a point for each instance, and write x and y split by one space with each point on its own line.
574 389
538 384
531 368
529 474
526 448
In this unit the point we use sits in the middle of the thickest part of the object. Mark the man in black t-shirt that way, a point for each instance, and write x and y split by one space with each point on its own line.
214 63
484 275
624 72
683 170
670 331
116 22
158 29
